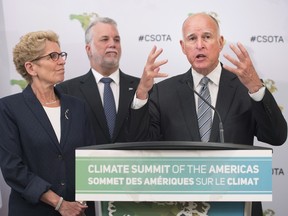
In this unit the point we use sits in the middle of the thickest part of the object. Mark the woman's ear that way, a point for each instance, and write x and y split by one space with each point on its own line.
30 68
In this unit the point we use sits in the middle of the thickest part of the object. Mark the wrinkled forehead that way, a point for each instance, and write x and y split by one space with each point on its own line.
106 29
199 24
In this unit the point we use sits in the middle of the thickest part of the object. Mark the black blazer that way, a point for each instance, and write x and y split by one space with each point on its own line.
173 114
31 158
85 87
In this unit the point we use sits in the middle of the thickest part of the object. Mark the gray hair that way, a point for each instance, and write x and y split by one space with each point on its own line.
89 34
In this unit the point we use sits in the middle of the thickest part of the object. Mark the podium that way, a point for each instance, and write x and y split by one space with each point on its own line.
180 178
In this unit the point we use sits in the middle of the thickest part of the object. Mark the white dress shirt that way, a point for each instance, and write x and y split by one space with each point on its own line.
115 85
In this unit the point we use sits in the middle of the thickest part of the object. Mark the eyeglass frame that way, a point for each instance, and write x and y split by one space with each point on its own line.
62 54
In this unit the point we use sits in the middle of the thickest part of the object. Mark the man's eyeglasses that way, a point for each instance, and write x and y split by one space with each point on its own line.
54 56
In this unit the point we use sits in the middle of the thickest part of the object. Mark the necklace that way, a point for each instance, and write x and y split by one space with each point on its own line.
52 102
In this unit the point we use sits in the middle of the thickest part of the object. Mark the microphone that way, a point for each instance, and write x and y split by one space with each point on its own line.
221 129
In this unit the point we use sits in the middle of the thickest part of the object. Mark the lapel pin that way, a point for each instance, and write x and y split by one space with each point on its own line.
66 114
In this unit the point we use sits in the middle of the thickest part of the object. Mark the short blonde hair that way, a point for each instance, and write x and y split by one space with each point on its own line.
31 46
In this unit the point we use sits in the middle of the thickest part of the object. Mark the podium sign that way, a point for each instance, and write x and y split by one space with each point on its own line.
173 175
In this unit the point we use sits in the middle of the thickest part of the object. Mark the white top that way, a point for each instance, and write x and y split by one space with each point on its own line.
53 114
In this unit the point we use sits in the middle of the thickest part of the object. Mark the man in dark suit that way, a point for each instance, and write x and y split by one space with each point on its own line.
103 48
246 107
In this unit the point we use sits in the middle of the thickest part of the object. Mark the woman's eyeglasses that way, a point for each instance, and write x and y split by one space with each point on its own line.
54 56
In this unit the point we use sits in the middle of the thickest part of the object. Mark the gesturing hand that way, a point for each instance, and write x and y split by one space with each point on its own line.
151 71
244 68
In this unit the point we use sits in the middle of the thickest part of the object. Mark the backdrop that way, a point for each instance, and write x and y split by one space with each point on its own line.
261 25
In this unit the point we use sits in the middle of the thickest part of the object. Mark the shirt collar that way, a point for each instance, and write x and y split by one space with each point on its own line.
214 75
114 76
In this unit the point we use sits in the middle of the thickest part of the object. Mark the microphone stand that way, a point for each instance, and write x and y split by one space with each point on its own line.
221 129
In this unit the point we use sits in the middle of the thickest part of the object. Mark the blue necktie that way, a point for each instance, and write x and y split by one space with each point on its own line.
109 104
204 111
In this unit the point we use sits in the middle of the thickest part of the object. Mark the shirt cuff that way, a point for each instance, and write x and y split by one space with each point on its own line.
138 103
258 96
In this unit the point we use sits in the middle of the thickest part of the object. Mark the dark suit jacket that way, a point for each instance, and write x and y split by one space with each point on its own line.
172 115
31 158
85 87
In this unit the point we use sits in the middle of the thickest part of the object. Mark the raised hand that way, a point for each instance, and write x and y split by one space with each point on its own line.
151 71
244 68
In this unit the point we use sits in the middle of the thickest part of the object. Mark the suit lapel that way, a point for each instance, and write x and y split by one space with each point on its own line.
40 114
187 104
127 91
66 119
225 97
90 91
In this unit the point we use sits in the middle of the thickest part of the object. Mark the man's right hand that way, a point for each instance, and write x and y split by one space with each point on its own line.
151 71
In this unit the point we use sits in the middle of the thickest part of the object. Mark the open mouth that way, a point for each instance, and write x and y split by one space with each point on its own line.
200 56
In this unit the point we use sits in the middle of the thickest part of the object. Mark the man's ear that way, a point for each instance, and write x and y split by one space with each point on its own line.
182 46
221 42
88 50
